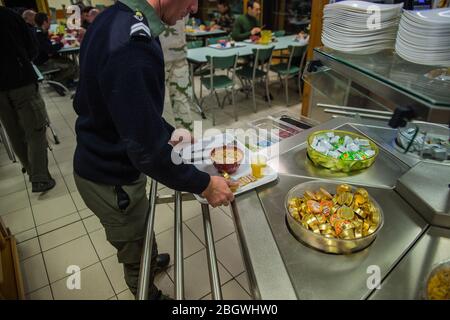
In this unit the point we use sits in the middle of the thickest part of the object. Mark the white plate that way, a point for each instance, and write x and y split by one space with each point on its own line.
414 44
426 33
361 15
244 169
431 17
426 27
362 41
359 36
359 27
357 50
364 5
423 54
423 61
360 19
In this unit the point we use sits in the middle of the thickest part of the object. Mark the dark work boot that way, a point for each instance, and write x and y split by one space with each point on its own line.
160 296
162 262
38 187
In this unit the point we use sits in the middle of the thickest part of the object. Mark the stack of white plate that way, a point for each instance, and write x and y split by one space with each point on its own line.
424 37
360 26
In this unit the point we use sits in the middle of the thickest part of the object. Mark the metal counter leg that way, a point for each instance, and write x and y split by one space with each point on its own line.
179 267
146 260
8 147
49 125
214 277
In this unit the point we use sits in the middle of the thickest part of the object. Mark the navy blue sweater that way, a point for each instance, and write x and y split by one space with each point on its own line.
119 102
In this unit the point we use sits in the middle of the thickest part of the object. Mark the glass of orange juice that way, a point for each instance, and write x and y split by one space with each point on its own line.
258 164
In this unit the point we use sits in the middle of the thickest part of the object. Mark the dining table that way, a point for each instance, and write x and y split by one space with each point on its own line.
197 56
192 34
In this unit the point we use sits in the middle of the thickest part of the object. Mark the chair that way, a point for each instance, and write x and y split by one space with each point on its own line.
215 82
280 55
47 75
259 71
198 70
210 41
290 70
41 78
194 44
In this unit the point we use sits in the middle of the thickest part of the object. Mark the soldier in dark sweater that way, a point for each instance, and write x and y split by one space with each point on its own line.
121 135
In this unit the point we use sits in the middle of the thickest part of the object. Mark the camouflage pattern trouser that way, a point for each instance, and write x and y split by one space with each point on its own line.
178 99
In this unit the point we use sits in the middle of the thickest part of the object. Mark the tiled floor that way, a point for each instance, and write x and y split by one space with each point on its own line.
55 230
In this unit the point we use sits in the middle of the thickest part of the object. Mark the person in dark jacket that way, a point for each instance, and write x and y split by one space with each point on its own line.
121 135
22 110
48 57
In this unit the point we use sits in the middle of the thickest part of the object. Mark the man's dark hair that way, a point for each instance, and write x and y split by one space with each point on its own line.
40 18
87 9
251 3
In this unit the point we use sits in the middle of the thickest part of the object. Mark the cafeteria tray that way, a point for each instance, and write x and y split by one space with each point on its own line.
244 169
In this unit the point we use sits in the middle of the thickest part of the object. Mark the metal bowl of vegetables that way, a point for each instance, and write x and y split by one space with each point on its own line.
339 150
437 284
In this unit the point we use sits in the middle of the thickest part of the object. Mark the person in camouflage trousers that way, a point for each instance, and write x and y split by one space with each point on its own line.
179 95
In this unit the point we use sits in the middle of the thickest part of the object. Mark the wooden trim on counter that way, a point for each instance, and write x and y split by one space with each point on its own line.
11 282
314 41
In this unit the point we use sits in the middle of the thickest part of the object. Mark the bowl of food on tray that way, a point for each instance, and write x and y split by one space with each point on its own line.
227 158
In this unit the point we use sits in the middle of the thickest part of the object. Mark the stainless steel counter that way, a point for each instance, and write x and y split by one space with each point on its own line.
317 275
280 267
426 186
383 173
408 278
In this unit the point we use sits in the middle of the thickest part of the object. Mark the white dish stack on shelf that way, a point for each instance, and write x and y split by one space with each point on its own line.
360 27
424 37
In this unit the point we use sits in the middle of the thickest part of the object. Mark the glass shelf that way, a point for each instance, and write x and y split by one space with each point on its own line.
387 67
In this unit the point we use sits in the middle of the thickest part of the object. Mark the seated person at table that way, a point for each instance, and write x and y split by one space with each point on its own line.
48 57
248 24
225 20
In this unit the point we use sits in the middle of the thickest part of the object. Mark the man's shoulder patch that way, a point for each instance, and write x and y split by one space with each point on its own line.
139 28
